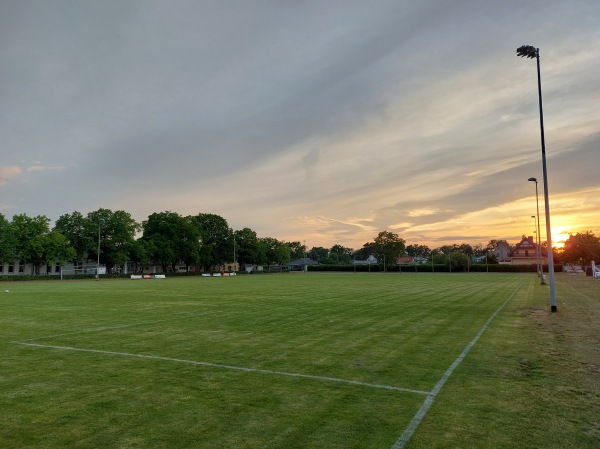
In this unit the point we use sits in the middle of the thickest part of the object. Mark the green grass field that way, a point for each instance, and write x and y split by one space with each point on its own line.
301 361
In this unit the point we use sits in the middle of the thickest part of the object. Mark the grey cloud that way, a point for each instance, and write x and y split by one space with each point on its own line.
178 96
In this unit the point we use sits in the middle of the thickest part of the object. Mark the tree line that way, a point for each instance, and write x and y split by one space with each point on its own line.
206 240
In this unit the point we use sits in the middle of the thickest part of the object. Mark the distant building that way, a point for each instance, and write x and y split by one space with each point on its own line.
20 268
250 267
526 253
228 267
478 259
502 252
371 260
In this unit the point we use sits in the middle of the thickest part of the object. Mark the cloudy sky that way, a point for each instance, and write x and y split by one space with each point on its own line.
316 121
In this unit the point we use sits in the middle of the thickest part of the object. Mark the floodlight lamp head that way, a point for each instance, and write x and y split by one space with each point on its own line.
528 51
532 179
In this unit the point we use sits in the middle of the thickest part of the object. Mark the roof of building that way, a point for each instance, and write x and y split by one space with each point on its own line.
526 243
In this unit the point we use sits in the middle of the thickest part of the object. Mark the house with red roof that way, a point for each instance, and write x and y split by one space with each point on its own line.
526 253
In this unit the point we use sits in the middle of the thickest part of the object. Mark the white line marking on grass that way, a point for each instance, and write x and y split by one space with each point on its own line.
412 426
230 367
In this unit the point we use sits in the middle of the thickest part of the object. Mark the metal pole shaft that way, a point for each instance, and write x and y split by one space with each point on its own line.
98 262
539 237
553 307
536 242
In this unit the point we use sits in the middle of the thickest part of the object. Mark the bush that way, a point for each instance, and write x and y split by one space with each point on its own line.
437 268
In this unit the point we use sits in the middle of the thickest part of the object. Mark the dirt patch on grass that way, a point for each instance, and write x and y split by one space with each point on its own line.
540 317
533 311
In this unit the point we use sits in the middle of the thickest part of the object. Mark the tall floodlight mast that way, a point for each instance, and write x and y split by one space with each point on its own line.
528 51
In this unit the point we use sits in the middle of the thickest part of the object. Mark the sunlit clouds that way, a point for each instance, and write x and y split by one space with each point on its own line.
9 173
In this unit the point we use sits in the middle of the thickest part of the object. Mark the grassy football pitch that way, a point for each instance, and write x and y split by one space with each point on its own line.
301 361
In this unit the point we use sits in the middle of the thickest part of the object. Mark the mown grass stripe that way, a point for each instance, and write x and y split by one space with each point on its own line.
176 316
412 426
229 367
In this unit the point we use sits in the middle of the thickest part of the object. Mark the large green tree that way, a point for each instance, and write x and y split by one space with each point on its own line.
459 261
298 250
417 250
215 240
138 255
465 248
115 232
318 253
452 257
581 248
484 255
387 247
439 258
80 234
277 252
8 242
340 255
170 239
248 248
37 245
189 243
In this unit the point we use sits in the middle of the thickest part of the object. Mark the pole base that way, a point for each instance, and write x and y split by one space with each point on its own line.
553 309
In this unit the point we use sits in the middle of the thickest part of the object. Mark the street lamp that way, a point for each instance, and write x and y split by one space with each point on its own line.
98 262
537 250
538 255
537 203
531 52
304 252
233 235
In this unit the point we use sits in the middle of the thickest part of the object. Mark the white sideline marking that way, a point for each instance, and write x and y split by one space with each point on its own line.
217 365
412 426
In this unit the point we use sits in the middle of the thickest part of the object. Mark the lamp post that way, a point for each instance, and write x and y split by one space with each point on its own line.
537 250
538 254
100 221
537 203
233 235
531 52
304 252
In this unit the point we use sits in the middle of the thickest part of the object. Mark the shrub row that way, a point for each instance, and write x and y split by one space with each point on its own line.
424 268
427 268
